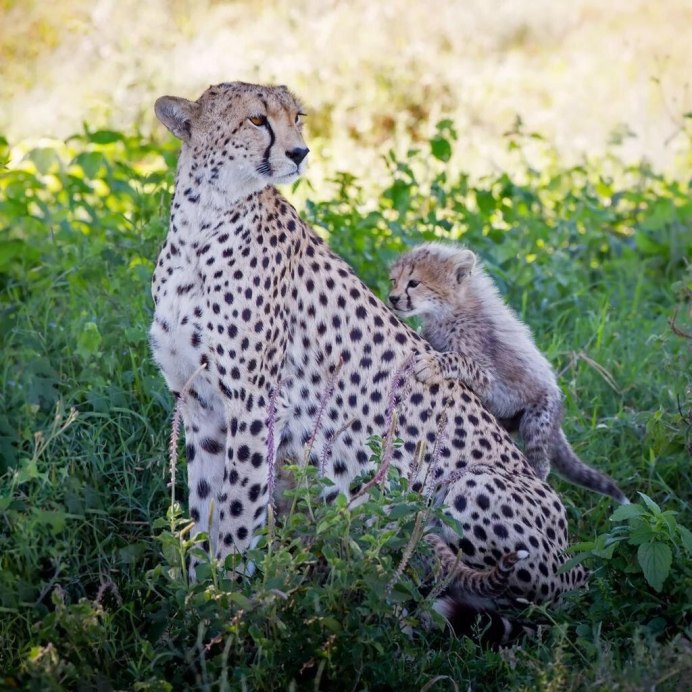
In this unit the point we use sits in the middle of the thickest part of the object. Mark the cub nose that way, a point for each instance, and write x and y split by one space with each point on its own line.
393 299
298 154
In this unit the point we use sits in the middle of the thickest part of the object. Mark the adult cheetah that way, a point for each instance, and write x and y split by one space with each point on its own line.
260 318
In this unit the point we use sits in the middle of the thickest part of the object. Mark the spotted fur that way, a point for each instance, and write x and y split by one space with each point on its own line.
480 340
491 582
286 333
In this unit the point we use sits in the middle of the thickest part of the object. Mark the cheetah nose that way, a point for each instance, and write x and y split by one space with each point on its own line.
393 299
298 154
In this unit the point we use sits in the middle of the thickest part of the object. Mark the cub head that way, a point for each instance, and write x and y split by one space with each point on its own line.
237 137
430 279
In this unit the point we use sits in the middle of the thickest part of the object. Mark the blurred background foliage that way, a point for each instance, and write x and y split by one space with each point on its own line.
584 74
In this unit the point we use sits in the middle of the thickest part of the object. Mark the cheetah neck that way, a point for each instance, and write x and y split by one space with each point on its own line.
198 214
206 192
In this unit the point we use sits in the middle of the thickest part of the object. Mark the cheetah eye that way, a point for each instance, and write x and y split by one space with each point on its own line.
299 118
413 283
258 120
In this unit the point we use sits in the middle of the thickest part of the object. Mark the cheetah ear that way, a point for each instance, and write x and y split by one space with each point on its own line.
177 114
464 263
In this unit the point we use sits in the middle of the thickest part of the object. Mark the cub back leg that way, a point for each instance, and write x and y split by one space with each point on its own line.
539 428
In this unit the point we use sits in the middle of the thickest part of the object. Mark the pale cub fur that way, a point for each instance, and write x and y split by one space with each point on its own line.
481 341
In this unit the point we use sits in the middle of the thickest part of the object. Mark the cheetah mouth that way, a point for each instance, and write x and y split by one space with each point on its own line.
287 177
401 312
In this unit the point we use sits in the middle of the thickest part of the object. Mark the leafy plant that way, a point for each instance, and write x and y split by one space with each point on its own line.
655 534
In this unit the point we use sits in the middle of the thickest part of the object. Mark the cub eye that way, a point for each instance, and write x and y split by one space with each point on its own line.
413 283
299 118
258 120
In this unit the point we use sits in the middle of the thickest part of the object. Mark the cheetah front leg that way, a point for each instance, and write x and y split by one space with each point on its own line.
433 366
247 475
226 450
203 418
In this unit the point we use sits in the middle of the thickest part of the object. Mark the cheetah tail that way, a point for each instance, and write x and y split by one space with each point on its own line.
574 470
487 583
487 626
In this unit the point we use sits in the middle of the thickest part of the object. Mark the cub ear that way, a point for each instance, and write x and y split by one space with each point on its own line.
177 114
464 263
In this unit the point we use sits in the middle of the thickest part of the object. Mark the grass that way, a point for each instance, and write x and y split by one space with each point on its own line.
92 593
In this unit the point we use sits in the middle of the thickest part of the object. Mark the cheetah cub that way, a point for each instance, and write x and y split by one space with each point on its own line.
481 341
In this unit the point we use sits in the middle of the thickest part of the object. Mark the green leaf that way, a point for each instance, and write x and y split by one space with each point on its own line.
640 531
28 471
15 253
572 562
626 512
55 519
686 536
452 523
243 601
89 341
4 150
104 136
441 148
485 201
90 162
584 547
44 159
650 503
606 552
655 560
332 624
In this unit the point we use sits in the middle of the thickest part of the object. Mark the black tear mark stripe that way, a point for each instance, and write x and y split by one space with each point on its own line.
266 167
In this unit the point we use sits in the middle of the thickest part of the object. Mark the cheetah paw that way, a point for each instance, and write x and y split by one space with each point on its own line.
427 369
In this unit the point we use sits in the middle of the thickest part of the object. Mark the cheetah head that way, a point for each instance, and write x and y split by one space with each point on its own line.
238 138
428 279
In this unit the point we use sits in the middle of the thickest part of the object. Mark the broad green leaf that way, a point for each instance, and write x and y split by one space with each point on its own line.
585 547
626 512
90 162
332 624
104 136
572 562
89 340
28 471
441 148
671 522
640 531
686 536
485 201
655 560
650 503
243 601
56 519
44 159
604 545
452 523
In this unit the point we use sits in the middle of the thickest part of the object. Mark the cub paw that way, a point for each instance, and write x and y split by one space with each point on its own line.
541 468
427 368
